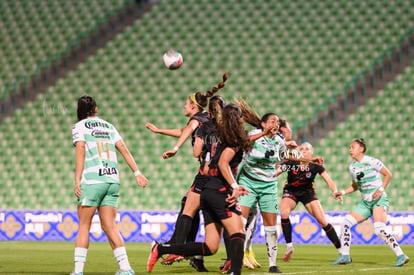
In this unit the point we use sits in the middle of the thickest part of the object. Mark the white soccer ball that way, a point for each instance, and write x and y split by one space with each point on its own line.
172 59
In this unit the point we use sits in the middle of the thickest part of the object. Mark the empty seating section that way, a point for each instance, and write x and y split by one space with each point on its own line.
386 125
32 31
283 56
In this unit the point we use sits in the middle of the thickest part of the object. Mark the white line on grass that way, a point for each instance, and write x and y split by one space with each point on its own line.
335 271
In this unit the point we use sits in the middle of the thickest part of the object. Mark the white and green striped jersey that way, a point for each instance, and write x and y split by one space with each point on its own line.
260 162
100 137
367 176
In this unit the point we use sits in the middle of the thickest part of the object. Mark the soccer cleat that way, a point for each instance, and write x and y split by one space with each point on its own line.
402 260
252 259
198 265
74 273
172 258
127 272
153 256
343 259
288 254
225 268
247 263
274 269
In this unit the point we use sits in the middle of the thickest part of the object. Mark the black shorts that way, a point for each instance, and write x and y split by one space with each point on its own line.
214 205
302 195
199 183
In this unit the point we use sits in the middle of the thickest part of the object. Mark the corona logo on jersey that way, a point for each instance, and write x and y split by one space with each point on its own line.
93 124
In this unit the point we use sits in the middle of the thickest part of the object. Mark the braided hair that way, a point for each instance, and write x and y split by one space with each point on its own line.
201 100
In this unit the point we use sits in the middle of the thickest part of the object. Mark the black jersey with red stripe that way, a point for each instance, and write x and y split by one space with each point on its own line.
300 176
234 163
207 132
202 117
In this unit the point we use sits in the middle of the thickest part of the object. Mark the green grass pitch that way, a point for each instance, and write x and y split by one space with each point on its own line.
57 258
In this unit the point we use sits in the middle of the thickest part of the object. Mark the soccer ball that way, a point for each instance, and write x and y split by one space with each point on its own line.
172 59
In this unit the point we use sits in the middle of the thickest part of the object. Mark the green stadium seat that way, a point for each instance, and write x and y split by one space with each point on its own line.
280 63
48 27
387 143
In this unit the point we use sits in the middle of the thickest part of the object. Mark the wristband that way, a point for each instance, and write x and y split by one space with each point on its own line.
381 189
176 148
234 185
137 173
343 192
208 157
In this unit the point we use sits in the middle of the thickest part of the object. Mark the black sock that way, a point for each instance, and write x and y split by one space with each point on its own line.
287 229
173 238
332 236
188 249
226 239
182 227
192 234
237 251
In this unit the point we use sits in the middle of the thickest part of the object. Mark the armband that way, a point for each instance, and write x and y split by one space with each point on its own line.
343 192
381 189
176 148
137 173
234 185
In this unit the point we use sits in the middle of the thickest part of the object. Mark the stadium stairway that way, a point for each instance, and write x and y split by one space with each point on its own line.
357 92
385 123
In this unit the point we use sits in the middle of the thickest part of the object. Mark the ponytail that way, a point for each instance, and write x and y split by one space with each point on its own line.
201 100
219 85
249 114
215 107
231 128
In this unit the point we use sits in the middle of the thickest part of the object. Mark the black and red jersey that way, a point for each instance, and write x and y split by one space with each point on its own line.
202 117
301 176
234 163
207 132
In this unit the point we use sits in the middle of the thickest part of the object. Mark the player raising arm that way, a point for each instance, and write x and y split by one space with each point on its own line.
366 174
219 197
299 188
